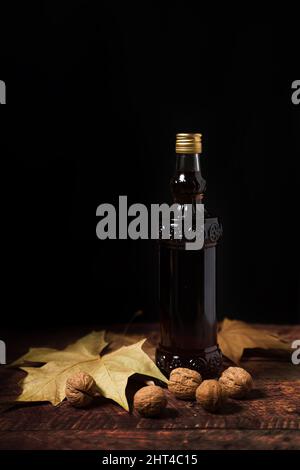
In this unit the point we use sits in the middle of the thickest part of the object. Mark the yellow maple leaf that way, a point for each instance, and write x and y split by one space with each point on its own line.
111 371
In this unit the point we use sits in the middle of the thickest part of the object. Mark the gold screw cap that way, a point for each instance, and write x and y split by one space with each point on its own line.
188 143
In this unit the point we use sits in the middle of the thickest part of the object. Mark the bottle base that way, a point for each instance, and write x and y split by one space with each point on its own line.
207 362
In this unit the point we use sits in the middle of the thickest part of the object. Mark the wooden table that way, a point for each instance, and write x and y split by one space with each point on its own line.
269 419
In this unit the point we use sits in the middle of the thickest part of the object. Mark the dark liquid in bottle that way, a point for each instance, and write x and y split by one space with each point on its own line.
188 310
188 289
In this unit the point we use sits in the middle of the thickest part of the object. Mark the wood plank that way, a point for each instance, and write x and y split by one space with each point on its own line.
152 440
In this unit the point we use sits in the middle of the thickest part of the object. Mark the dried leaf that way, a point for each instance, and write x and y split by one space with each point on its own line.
236 336
111 371
118 366
47 383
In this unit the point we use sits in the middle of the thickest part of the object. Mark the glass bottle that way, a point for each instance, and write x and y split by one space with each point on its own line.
187 278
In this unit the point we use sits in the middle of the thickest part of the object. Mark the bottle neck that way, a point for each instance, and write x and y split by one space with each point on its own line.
188 162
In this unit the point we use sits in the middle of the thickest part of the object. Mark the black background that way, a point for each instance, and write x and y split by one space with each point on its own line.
95 97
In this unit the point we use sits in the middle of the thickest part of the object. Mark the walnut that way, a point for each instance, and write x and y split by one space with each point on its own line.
184 382
81 389
236 382
210 395
150 401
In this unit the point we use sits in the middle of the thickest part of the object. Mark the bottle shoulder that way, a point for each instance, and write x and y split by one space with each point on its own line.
187 183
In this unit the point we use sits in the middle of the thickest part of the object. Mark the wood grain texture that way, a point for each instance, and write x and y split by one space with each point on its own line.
159 440
268 419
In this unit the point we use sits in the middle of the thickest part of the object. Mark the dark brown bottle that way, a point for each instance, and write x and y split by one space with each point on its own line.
187 285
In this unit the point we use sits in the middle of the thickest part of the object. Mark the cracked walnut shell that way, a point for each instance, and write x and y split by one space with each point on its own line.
184 382
210 395
236 382
150 401
81 389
